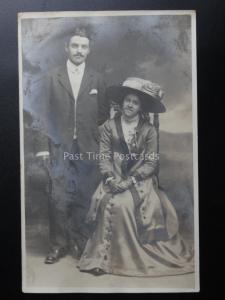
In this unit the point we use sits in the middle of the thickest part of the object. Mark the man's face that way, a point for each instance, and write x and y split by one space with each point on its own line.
78 49
131 105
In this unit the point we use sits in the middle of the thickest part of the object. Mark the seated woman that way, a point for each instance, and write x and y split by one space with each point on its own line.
136 226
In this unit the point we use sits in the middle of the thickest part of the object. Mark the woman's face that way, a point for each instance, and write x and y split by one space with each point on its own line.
131 105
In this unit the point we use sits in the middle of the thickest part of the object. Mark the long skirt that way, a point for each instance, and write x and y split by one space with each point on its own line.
116 247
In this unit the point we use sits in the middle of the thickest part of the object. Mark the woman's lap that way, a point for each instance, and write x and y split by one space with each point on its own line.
115 246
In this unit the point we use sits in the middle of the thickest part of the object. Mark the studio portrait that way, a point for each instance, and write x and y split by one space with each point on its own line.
108 139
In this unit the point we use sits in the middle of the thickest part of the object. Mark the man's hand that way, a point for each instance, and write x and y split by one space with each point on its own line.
44 155
38 170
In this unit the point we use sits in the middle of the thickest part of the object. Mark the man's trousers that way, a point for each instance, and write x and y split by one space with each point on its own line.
73 180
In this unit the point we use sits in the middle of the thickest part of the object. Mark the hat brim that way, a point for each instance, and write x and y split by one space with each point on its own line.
149 104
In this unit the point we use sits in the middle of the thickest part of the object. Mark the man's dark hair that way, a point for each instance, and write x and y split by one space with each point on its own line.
82 31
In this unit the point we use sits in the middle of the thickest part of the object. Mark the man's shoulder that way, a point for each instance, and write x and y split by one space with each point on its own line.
93 72
61 69
56 70
52 75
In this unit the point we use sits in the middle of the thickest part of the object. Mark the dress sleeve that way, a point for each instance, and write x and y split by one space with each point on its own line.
150 158
105 162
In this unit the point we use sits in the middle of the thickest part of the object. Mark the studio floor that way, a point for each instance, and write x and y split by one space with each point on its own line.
64 276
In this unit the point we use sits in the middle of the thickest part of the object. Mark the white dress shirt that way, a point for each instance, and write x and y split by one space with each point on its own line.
75 74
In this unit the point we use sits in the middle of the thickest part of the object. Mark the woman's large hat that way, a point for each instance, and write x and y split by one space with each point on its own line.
150 93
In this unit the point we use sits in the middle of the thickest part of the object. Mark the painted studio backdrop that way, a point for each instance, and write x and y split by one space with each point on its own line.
156 48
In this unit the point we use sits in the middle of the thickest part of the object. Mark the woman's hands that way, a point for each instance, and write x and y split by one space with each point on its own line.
119 186
125 184
114 186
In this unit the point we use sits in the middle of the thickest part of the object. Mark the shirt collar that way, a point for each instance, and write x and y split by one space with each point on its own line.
75 69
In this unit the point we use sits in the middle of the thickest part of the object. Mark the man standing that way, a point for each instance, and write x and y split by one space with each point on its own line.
75 107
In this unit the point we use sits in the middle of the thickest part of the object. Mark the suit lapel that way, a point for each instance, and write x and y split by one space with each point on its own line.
85 82
64 80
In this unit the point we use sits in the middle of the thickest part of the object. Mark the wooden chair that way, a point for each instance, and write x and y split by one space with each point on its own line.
154 120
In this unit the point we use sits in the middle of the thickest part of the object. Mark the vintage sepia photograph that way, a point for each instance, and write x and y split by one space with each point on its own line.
108 143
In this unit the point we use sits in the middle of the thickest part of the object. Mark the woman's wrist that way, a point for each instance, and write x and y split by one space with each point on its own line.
108 179
137 176
108 176
134 181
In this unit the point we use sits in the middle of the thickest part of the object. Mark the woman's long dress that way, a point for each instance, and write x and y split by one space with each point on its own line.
136 232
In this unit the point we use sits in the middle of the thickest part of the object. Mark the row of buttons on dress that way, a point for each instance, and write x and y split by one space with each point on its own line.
108 230
140 190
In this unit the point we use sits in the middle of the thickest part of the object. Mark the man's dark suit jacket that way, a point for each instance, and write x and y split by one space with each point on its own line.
91 110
